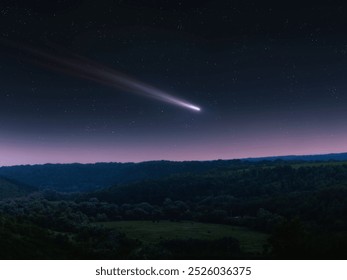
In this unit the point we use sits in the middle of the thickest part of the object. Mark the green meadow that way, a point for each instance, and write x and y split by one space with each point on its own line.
149 232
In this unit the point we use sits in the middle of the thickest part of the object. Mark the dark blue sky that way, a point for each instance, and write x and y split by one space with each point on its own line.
270 79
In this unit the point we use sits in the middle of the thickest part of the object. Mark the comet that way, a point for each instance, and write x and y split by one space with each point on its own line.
84 68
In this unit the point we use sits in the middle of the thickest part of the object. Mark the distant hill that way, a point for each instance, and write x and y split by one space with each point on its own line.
10 189
89 177
323 157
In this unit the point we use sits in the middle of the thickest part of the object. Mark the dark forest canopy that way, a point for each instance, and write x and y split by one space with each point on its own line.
300 205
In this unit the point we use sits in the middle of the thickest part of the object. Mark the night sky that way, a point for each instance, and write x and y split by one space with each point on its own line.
269 78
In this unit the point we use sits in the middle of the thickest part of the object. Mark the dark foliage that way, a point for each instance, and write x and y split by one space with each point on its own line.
301 205
10 188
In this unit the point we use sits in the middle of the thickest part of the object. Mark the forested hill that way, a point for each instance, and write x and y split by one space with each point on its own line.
304 205
86 177
246 182
11 189
301 206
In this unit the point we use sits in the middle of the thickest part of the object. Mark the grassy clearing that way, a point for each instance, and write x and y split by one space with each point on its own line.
149 232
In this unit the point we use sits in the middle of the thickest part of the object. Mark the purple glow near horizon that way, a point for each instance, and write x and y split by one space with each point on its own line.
214 148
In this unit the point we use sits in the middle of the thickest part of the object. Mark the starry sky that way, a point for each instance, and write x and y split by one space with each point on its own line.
269 77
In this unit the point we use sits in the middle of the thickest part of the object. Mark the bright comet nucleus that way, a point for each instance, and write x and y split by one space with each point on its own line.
194 108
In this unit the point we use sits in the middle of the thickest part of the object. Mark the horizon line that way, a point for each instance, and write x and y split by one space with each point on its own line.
192 160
